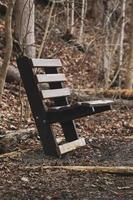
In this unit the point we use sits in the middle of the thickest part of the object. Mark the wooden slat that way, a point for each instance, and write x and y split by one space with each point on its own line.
59 108
97 102
72 145
101 102
46 62
47 78
55 93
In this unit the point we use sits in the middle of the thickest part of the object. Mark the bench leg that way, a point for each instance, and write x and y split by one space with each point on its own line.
48 139
69 131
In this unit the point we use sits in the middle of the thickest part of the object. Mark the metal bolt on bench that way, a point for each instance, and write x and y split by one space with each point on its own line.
60 111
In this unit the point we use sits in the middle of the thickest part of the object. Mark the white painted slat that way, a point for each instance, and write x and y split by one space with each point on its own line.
47 78
46 62
96 102
72 145
102 102
55 93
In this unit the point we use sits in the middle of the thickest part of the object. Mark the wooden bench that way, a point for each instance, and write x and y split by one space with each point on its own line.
36 72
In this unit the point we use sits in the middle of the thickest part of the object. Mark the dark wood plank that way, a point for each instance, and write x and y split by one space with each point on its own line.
47 78
47 137
74 112
46 62
55 93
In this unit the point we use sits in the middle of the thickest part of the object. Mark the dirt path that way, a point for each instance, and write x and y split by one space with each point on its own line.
18 182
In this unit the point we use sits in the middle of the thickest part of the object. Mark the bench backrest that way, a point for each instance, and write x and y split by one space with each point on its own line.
57 92
42 71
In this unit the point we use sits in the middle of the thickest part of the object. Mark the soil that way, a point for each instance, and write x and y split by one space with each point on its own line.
109 143
18 182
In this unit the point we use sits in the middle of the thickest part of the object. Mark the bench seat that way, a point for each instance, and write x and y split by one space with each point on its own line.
80 109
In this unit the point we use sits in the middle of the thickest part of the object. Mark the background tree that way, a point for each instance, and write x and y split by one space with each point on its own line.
24 22
8 49
129 77
25 32
72 16
82 20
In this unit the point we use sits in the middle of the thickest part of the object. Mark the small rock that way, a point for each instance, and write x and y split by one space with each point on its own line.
25 179
12 127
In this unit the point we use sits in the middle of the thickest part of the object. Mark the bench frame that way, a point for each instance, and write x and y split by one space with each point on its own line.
44 118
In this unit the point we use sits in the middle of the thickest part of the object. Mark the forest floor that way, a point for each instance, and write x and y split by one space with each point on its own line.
109 142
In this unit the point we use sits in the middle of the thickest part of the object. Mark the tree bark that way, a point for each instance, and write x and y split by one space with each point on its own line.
3 9
11 139
24 30
68 15
129 76
82 21
13 75
87 94
9 44
72 16
122 40
46 31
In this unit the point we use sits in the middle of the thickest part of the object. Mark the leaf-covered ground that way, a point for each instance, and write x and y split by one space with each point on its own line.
109 143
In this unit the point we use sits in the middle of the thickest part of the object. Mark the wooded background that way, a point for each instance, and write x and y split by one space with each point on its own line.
94 37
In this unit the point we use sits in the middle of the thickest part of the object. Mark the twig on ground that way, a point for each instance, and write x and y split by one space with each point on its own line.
91 169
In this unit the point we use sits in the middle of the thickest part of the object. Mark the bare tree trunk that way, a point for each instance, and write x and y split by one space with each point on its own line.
106 63
24 31
129 77
122 40
106 56
82 21
97 10
72 16
68 14
46 30
8 49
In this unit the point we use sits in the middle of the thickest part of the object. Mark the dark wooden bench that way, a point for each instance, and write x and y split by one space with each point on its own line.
60 110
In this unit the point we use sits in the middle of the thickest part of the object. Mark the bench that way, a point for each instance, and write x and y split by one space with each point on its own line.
50 105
